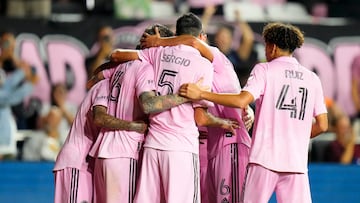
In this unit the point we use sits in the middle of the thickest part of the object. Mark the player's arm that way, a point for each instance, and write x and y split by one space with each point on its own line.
104 120
94 79
148 41
204 118
123 55
194 92
155 104
116 57
248 117
320 125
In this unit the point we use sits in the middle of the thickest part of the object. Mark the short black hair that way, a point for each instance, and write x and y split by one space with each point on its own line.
189 24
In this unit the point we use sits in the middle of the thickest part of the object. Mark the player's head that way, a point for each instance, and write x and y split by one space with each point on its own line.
164 31
285 37
189 24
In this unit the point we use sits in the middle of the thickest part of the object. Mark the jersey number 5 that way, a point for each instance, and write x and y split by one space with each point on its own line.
166 79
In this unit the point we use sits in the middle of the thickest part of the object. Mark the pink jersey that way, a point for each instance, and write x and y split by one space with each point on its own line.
225 81
287 97
175 129
126 82
83 132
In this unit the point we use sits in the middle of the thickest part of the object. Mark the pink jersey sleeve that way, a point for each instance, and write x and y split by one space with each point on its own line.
256 81
101 98
108 72
149 55
145 79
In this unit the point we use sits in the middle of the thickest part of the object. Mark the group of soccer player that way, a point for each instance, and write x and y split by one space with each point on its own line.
135 139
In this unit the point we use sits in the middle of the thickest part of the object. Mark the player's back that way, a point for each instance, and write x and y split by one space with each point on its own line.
225 81
123 104
174 66
289 96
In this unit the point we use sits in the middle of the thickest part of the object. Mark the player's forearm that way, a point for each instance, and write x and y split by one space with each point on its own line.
123 55
190 41
156 104
94 79
230 100
209 120
104 120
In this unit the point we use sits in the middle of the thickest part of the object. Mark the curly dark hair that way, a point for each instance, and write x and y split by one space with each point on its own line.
164 31
285 36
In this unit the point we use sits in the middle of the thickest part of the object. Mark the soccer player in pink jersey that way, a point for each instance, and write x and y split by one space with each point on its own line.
227 153
290 109
134 79
116 152
73 168
173 133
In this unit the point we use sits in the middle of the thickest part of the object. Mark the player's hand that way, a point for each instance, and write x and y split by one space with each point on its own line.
139 126
248 117
193 90
230 125
147 40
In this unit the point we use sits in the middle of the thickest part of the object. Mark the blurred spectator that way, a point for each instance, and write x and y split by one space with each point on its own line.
334 113
16 82
67 110
105 44
198 7
343 149
44 145
25 112
244 57
26 8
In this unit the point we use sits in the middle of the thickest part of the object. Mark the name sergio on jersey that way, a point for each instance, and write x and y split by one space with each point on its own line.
170 58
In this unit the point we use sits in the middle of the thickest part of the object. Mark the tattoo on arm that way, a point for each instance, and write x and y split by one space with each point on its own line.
102 119
156 104
213 121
